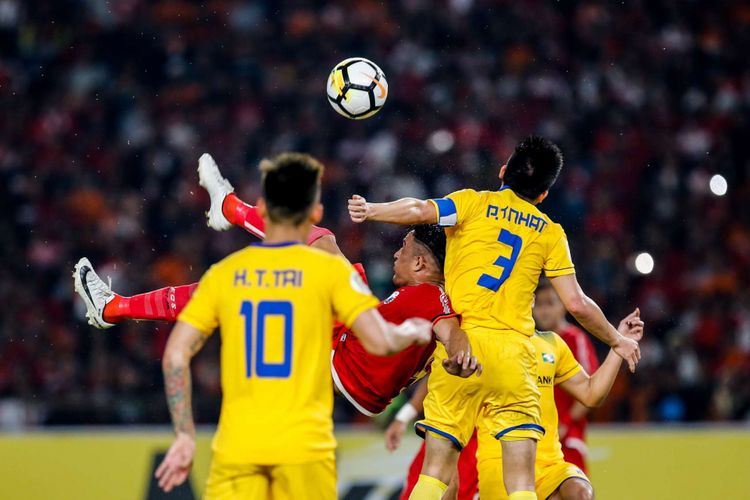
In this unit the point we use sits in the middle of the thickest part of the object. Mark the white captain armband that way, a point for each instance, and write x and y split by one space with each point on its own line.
447 216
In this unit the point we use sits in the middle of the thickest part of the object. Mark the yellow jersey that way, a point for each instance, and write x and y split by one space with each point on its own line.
555 365
497 246
275 305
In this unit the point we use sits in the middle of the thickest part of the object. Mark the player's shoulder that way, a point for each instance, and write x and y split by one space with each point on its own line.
466 193
547 338
543 337
295 252
420 293
426 289
410 293
520 203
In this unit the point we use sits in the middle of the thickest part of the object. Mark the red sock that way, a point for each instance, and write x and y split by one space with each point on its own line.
246 216
241 214
162 304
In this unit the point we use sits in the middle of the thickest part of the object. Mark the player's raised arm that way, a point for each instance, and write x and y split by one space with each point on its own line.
593 390
590 316
406 211
184 342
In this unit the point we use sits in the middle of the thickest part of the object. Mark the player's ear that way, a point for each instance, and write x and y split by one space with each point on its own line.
316 215
419 263
541 197
502 172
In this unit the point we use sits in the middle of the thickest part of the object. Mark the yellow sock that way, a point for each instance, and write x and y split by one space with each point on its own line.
428 488
522 495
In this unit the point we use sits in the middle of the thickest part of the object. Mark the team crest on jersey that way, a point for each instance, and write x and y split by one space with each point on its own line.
391 298
548 357
359 284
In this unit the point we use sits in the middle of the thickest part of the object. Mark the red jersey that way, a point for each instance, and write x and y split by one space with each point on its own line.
370 382
574 439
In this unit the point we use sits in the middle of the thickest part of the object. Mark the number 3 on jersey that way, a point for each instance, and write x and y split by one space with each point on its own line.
514 242
255 336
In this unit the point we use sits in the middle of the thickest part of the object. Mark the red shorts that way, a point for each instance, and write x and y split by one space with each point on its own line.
468 480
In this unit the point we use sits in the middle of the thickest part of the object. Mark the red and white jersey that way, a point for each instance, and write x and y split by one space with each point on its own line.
370 382
575 435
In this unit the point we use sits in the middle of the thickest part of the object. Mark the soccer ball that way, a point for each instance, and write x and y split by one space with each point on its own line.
357 88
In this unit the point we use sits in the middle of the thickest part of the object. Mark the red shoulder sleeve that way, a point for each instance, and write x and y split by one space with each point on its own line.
431 302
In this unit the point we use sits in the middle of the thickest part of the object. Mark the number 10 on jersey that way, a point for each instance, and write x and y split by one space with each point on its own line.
255 338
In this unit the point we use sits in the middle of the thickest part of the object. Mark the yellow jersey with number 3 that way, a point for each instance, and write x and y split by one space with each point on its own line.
497 246
275 305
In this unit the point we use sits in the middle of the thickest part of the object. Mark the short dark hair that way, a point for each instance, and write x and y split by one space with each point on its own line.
533 167
433 237
291 186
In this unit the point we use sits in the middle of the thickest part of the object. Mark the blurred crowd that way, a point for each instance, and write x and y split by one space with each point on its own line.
107 106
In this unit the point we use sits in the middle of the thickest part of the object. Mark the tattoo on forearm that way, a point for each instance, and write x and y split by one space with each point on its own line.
178 387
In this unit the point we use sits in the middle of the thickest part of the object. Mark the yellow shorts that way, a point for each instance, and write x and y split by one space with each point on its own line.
505 398
310 481
549 475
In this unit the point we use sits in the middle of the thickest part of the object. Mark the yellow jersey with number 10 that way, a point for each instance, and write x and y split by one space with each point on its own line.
275 305
497 246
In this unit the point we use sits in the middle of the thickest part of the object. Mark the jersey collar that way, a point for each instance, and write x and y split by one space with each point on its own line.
275 245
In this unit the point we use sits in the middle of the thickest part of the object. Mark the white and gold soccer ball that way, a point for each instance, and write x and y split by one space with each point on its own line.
357 88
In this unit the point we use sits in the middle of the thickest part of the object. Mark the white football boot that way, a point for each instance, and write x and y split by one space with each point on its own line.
218 188
94 292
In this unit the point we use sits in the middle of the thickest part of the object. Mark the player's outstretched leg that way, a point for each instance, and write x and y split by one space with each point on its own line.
228 210
105 308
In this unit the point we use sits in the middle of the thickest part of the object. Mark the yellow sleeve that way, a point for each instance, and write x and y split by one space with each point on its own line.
456 207
350 296
567 365
202 310
559 262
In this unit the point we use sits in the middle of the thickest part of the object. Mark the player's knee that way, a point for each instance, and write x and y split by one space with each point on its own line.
576 489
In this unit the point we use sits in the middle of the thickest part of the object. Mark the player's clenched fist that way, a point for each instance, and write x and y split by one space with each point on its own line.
358 208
